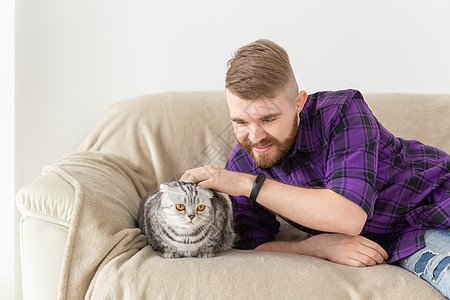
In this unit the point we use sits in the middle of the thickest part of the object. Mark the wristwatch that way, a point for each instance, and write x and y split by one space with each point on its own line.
257 186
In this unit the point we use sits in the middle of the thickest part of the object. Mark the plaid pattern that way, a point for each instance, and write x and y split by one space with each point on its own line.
403 186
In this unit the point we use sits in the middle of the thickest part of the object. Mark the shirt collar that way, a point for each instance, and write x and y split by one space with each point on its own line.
304 141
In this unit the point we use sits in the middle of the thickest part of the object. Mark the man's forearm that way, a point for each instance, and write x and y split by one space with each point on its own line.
344 249
304 247
319 209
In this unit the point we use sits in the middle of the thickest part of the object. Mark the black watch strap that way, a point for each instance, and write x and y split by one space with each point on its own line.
257 186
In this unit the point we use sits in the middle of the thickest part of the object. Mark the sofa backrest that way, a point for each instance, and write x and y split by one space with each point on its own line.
412 116
161 135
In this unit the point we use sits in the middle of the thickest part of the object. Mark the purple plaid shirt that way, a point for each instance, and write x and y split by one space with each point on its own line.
403 186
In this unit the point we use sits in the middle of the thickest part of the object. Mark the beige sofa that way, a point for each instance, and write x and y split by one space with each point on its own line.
77 232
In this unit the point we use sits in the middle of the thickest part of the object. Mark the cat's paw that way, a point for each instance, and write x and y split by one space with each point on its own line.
171 255
205 255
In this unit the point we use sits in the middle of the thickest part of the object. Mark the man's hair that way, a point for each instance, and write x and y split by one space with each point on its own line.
259 69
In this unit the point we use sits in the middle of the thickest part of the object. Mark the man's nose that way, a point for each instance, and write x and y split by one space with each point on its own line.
256 134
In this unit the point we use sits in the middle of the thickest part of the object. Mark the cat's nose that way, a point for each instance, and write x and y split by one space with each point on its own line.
191 216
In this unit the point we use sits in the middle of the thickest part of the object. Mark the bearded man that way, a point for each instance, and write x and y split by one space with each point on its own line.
325 164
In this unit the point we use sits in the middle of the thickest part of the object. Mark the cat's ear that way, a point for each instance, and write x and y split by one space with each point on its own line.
164 187
169 185
205 193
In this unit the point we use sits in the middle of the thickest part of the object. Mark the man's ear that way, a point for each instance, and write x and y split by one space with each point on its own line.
301 100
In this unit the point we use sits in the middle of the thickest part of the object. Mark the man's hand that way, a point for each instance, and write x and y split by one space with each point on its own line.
356 251
231 183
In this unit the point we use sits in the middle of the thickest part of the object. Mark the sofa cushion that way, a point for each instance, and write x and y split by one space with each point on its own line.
240 274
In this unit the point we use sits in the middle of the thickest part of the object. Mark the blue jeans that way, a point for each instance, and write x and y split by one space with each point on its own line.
432 263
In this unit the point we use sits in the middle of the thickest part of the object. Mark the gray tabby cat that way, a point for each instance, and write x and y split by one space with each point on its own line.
186 220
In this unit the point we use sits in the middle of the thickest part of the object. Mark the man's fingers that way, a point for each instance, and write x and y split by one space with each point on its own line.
189 176
370 253
199 175
365 252
377 248
365 257
185 177
370 257
361 261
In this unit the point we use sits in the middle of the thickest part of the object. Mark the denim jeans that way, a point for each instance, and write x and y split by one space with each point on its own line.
432 263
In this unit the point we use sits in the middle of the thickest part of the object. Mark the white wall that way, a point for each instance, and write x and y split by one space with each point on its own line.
75 58
7 149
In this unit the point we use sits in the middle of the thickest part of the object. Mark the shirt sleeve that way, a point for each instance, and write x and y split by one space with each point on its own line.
352 159
253 224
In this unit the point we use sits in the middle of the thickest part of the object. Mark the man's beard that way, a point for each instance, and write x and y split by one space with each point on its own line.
283 148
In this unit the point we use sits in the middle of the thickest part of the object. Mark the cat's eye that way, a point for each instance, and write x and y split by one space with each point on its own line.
180 207
201 207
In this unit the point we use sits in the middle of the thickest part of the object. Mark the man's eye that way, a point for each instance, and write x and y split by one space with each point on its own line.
240 123
268 120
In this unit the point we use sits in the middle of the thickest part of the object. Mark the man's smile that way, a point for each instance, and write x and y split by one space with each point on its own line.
262 149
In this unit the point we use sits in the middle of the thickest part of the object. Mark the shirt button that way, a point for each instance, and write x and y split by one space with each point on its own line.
417 222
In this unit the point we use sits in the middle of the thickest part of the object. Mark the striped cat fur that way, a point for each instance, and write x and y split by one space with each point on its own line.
186 220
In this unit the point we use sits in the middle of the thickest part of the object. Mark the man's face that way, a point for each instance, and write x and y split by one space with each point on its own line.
266 128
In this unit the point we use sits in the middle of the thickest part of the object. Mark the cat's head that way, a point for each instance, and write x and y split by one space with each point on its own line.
185 205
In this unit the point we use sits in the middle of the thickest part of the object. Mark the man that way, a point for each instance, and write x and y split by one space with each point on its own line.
325 164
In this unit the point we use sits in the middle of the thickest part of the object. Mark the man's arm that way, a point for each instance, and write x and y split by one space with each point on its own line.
356 251
319 209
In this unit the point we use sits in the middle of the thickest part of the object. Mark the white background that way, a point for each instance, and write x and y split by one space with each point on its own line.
7 188
75 58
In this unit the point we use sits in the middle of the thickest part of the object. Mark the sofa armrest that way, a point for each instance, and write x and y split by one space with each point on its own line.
48 198
46 208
